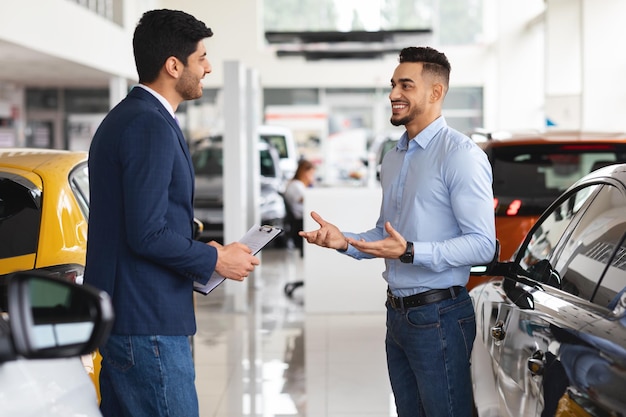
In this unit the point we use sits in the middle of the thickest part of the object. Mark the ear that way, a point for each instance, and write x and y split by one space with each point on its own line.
436 93
173 67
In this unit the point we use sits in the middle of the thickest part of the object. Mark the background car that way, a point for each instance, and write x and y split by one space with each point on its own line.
531 169
46 323
551 329
207 157
281 138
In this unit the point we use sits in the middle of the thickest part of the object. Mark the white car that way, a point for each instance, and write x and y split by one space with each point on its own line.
46 324
282 139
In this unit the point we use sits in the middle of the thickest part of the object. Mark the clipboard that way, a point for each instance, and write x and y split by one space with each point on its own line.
256 239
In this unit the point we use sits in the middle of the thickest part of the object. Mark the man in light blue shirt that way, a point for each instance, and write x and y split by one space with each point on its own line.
436 221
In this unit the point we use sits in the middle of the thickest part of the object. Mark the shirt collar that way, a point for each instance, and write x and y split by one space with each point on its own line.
424 137
159 97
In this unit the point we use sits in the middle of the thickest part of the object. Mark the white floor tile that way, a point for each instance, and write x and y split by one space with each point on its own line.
277 361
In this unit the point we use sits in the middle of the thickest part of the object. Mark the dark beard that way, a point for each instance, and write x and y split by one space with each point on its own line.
400 122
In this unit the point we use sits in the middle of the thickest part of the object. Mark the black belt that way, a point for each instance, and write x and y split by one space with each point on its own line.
423 298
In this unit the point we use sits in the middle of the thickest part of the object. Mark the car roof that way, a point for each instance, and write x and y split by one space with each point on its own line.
273 129
616 171
497 139
32 158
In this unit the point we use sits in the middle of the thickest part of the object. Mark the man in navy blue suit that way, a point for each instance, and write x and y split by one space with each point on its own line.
141 249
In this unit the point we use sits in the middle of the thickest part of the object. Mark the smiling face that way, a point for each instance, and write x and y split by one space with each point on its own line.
415 97
189 85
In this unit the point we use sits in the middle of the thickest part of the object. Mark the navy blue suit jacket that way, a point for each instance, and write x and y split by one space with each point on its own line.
140 246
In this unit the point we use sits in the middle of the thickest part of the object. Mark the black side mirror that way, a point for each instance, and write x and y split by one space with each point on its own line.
481 270
53 318
543 272
522 298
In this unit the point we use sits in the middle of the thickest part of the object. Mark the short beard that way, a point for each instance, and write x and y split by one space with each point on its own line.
187 87
400 122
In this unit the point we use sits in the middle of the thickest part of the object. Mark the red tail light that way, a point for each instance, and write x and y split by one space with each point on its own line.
514 207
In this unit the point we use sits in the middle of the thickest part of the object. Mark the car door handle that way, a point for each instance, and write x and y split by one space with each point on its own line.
536 363
498 333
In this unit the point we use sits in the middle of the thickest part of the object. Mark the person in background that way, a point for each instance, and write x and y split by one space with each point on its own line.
140 246
436 221
303 178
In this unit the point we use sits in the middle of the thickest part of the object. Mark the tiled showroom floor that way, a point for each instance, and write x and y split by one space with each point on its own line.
276 360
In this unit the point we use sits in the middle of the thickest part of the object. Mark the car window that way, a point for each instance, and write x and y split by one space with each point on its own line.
535 175
20 217
551 230
589 256
592 263
208 162
268 169
79 182
278 142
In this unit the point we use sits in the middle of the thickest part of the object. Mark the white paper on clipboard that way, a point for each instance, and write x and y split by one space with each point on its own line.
256 239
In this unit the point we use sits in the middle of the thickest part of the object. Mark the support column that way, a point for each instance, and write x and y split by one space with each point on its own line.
236 166
118 88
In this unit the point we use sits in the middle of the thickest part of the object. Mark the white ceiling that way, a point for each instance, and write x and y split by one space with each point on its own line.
30 68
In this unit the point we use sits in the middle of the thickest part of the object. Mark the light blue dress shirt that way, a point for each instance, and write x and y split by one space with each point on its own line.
437 193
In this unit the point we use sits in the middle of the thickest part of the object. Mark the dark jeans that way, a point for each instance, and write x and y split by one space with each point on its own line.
147 376
428 358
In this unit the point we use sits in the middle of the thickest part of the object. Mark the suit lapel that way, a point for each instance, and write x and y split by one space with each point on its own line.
143 94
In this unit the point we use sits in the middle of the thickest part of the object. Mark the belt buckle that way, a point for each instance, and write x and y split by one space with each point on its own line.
396 302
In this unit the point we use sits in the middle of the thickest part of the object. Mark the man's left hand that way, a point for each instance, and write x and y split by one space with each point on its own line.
390 247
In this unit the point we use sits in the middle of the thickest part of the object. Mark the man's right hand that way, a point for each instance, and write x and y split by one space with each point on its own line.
235 260
327 236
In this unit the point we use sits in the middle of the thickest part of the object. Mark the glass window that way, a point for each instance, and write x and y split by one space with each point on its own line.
547 235
20 217
537 174
596 245
268 168
79 181
455 21
208 161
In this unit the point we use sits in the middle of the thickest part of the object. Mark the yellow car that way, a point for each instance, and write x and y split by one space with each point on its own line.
44 208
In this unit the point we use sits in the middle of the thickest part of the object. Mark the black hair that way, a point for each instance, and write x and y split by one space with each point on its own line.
435 62
161 34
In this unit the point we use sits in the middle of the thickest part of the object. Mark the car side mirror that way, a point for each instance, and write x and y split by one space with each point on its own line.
496 268
480 270
543 272
53 318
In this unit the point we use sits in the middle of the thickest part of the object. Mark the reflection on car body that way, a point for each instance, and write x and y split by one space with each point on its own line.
551 331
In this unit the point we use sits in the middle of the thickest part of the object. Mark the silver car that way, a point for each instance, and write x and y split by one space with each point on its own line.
551 329
208 160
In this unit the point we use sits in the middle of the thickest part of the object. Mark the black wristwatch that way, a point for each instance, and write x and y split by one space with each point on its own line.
407 256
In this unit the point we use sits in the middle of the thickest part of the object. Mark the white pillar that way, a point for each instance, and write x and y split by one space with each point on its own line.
118 88
564 63
236 167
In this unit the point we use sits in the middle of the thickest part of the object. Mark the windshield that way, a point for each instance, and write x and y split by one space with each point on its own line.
207 162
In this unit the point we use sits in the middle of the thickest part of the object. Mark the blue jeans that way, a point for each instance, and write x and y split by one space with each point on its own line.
147 376
428 357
